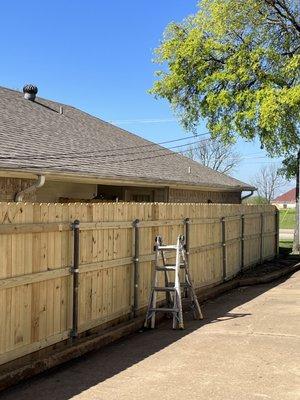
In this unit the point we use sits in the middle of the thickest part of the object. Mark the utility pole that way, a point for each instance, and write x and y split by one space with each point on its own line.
296 245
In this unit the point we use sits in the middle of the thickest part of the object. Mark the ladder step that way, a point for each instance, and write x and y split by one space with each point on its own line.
182 284
164 289
164 309
169 247
169 268
173 265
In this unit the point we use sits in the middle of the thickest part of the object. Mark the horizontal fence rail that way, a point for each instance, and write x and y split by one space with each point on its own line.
68 268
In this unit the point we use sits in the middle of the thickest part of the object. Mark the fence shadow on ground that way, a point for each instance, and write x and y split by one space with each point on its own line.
74 377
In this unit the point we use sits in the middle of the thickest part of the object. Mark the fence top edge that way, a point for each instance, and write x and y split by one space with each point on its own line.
124 203
128 223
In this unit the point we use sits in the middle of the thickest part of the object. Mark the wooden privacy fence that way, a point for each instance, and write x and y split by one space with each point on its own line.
59 278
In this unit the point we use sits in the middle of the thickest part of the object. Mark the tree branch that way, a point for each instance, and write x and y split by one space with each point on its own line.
287 15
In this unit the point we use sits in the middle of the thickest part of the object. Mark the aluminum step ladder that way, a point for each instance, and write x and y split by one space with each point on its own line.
173 289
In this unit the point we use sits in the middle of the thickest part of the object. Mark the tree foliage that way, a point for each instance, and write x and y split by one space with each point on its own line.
214 154
236 64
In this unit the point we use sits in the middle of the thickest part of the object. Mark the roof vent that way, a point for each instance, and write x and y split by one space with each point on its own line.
30 92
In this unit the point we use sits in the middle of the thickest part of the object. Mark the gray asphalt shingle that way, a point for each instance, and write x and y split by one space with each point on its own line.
34 136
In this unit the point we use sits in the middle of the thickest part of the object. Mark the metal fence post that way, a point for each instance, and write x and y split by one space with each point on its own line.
186 222
75 272
242 242
276 233
223 222
136 262
261 237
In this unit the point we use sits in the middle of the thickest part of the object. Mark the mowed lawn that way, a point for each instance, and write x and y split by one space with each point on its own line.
287 219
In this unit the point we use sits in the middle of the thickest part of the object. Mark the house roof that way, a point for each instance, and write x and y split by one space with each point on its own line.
288 197
36 137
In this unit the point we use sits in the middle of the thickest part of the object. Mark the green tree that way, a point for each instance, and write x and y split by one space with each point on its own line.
236 64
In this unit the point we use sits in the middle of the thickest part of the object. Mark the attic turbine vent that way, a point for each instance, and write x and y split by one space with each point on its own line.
30 92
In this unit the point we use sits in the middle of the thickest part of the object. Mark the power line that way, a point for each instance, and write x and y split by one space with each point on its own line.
96 160
100 156
170 153
97 155
97 152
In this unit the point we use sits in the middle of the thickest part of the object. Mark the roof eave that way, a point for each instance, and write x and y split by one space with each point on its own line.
90 178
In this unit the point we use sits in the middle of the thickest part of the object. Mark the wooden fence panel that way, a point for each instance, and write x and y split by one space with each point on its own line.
106 264
269 243
36 259
35 284
252 240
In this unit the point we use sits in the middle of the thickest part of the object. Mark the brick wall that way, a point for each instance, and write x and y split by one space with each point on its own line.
10 186
53 191
199 196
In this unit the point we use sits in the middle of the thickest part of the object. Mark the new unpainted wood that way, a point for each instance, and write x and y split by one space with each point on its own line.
36 250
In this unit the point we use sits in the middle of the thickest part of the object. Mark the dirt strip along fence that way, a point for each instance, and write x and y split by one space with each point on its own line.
59 278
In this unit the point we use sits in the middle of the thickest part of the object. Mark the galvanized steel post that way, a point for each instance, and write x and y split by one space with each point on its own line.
75 272
136 262
261 238
186 222
242 242
276 232
223 222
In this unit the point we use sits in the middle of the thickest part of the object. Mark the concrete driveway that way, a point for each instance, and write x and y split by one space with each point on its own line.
248 347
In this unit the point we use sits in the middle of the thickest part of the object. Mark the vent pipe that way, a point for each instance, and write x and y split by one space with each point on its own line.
30 92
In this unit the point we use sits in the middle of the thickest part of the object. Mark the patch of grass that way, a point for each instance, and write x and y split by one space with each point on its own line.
287 219
286 244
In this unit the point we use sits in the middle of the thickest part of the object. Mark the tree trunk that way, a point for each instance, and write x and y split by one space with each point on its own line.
296 244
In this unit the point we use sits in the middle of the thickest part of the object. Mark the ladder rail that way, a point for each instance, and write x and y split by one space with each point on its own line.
197 309
177 285
169 296
173 290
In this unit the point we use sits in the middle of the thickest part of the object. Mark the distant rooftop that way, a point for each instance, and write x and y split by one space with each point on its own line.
288 197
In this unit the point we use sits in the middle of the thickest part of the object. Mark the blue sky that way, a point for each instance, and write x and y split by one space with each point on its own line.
97 56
